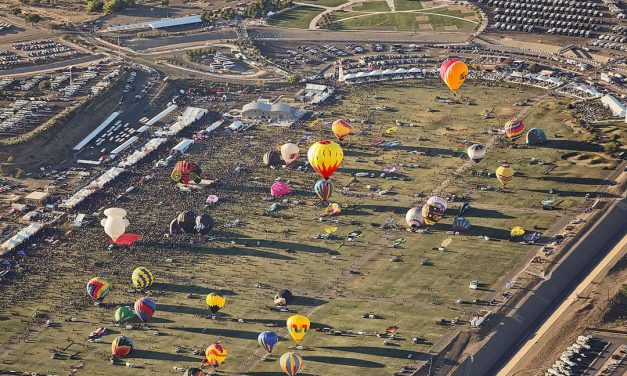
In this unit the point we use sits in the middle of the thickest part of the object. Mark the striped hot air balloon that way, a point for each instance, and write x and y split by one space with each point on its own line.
454 72
267 340
514 129
536 136
325 157
145 308
461 224
142 278
291 363
121 346
324 189
97 288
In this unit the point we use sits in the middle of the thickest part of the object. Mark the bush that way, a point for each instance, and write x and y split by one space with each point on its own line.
32 18
94 6
611 147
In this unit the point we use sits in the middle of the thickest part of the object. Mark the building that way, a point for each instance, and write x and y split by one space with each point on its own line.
37 197
263 109
159 24
182 146
617 108
314 93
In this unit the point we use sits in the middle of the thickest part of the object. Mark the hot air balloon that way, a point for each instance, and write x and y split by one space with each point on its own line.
97 288
333 209
454 72
123 314
116 223
341 128
186 221
536 136
279 189
283 297
517 232
438 201
414 218
121 346
142 278
504 173
145 308
204 224
194 372
476 152
215 302
514 129
324 189
267 340
431 214
291 363
216 354
186 172
272 158
289 152
297 326
325 157
461 224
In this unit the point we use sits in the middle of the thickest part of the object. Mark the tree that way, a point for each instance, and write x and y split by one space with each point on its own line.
32 18
611 147
293 79
94 6
111 6
44 85
165 3
16 11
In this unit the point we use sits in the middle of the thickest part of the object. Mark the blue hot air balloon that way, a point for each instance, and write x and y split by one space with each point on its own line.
536 136
268 340
461 224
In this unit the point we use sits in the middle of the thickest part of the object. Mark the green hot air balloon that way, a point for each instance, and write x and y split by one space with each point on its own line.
123 314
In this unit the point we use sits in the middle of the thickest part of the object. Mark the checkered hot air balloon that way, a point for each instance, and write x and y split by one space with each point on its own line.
97 288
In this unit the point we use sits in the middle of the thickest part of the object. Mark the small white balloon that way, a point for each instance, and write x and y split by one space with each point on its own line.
116 223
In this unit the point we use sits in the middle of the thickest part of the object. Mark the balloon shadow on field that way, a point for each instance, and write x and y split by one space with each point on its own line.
379 351
351 362
574 180
230 251
189 289
288 246
486 213
386 208
492 232
160 355
231 333
559 193
307 301
184 309
571 145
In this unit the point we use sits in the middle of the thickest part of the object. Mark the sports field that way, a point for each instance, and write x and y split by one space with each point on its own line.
335 280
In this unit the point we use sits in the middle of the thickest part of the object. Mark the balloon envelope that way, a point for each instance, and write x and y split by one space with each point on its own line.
289 152
476 152
283 297
414 218
461 224
514 129
431 214
279 189
115 223
97 288
536 136
454 74
194 372
297 326
325 157
272 158
186 221
324 189
215 302
145 308
121 346
438 201
216 354
186 172
517 231
142 278
123 314
291 363
504 174
267 340
204 224
341 128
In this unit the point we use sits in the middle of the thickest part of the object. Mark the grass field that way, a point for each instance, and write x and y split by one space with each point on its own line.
407 5
279 249
298 17
325 3
371 6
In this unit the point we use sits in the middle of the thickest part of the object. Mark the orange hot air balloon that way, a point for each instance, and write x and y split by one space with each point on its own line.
454 72
325 157
341 128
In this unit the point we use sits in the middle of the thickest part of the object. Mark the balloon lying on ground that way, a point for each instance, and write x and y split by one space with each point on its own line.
204 224
97 288
215 302
517 232
121 346
438 201
279 189
188 222
267 340
297 326
454 72
324 189
333 209
283 297
514 129
145 308
216 354
123 314
289 152
341 128
431 214
142 278
194 372
461 224
325 157
476 152
186 172
272 158
291 363
504 174
414 218
536 136
116 223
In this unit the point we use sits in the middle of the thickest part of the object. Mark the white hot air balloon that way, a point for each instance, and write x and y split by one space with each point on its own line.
476 152
289 152
414 218
438 201
116 223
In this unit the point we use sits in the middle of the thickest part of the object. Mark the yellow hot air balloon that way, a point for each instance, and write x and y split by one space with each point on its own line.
504 173
341 128
325 157
391 130
289 152
215 302
330 229
517 231
454 72
216 354
297 326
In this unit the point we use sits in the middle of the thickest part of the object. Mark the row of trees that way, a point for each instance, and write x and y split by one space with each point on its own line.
107 6
196 55
328 22
257 9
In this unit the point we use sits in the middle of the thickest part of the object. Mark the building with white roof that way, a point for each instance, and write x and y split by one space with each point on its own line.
617 108
263 109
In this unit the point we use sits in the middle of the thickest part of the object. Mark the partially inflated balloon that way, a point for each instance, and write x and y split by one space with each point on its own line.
216 354
97 288
145 308
504 174
297 326
121 346
461 224
325 157
215 302
272 158
414 218
476 152
123 314
517 232
536 136
514 129
431 214
453 73
186 221
186 172
341 128
279 189
324 189
291 363
438 201
194 372
289 152
204 224
267 340
142 278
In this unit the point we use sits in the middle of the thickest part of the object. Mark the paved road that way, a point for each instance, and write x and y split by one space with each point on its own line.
211 36
514 330
52 66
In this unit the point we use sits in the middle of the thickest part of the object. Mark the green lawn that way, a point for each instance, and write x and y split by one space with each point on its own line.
407 5
325 3
403 21
439 23
298 18
371 6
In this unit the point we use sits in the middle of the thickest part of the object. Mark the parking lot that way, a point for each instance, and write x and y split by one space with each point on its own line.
35 52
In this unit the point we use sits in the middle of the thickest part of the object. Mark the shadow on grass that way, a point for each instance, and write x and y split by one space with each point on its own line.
380 351
573 193
308 301
493 233
298 247
230 251
231 333
431 152
189 289
571 145
486 213
385 208
575 180
184 309
160 355
344 361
